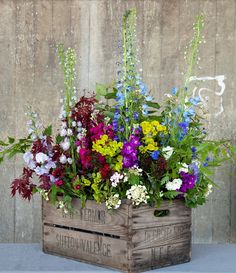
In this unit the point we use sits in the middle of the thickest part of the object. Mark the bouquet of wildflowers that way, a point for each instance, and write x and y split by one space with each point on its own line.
129 148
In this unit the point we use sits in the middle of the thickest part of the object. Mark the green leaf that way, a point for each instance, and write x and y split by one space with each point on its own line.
153 104
58 139
111 95
11 140
164 180
3 143
48 131
171 194
101 90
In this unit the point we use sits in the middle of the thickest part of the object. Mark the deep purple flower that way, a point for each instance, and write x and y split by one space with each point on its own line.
135 115
189 181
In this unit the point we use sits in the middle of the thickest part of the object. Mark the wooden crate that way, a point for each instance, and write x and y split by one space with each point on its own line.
129 239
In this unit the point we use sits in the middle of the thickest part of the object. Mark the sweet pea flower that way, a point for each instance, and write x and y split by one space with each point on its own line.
41 158
28 156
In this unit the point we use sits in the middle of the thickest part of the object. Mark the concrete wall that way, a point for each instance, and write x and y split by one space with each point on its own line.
29 74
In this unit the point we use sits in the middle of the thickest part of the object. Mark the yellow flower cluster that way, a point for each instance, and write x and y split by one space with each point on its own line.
106 146
85 181
150 130
118 164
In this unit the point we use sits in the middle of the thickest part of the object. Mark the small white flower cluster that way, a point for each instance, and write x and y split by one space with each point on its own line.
113 202
167 152
136 170
35 126
209 190
43 193
116 178
138 194
42 163
62 205
174 185
183 168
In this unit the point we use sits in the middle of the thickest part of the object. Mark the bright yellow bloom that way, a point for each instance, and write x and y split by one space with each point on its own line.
106 146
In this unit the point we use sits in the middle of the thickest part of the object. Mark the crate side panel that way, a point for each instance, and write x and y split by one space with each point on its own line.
160 256
93 216
161 235
143 216
92 248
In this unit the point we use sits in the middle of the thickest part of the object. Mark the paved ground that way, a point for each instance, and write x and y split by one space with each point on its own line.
19 258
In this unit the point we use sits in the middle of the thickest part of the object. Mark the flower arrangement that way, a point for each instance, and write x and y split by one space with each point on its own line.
128 148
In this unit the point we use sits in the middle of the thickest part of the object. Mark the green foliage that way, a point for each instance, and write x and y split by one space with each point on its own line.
13 147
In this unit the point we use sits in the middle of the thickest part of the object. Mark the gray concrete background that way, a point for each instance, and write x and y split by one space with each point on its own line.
30 74
22 258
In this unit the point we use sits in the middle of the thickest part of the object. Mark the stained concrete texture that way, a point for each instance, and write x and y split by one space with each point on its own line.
206 258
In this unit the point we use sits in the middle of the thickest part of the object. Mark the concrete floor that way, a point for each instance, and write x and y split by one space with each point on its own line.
20 258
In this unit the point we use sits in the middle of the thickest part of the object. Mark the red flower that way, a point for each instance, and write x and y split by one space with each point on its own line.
105 171
77 187
58 173
59 183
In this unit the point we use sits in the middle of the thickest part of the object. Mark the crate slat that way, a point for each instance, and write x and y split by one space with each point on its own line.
130 239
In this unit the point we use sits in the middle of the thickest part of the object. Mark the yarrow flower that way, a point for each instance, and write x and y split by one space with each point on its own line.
137 194
113 201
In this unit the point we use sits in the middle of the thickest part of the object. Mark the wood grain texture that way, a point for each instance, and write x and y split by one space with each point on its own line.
93 215
123 239
30 74
7 118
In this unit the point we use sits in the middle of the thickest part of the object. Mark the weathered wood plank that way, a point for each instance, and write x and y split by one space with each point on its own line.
169 45
160 256
225 27
162 235
143 216
25 74
83 246
93 216
202 224
7 114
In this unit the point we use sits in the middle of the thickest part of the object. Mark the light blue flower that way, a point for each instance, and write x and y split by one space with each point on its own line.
145 109
174 90
195 101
